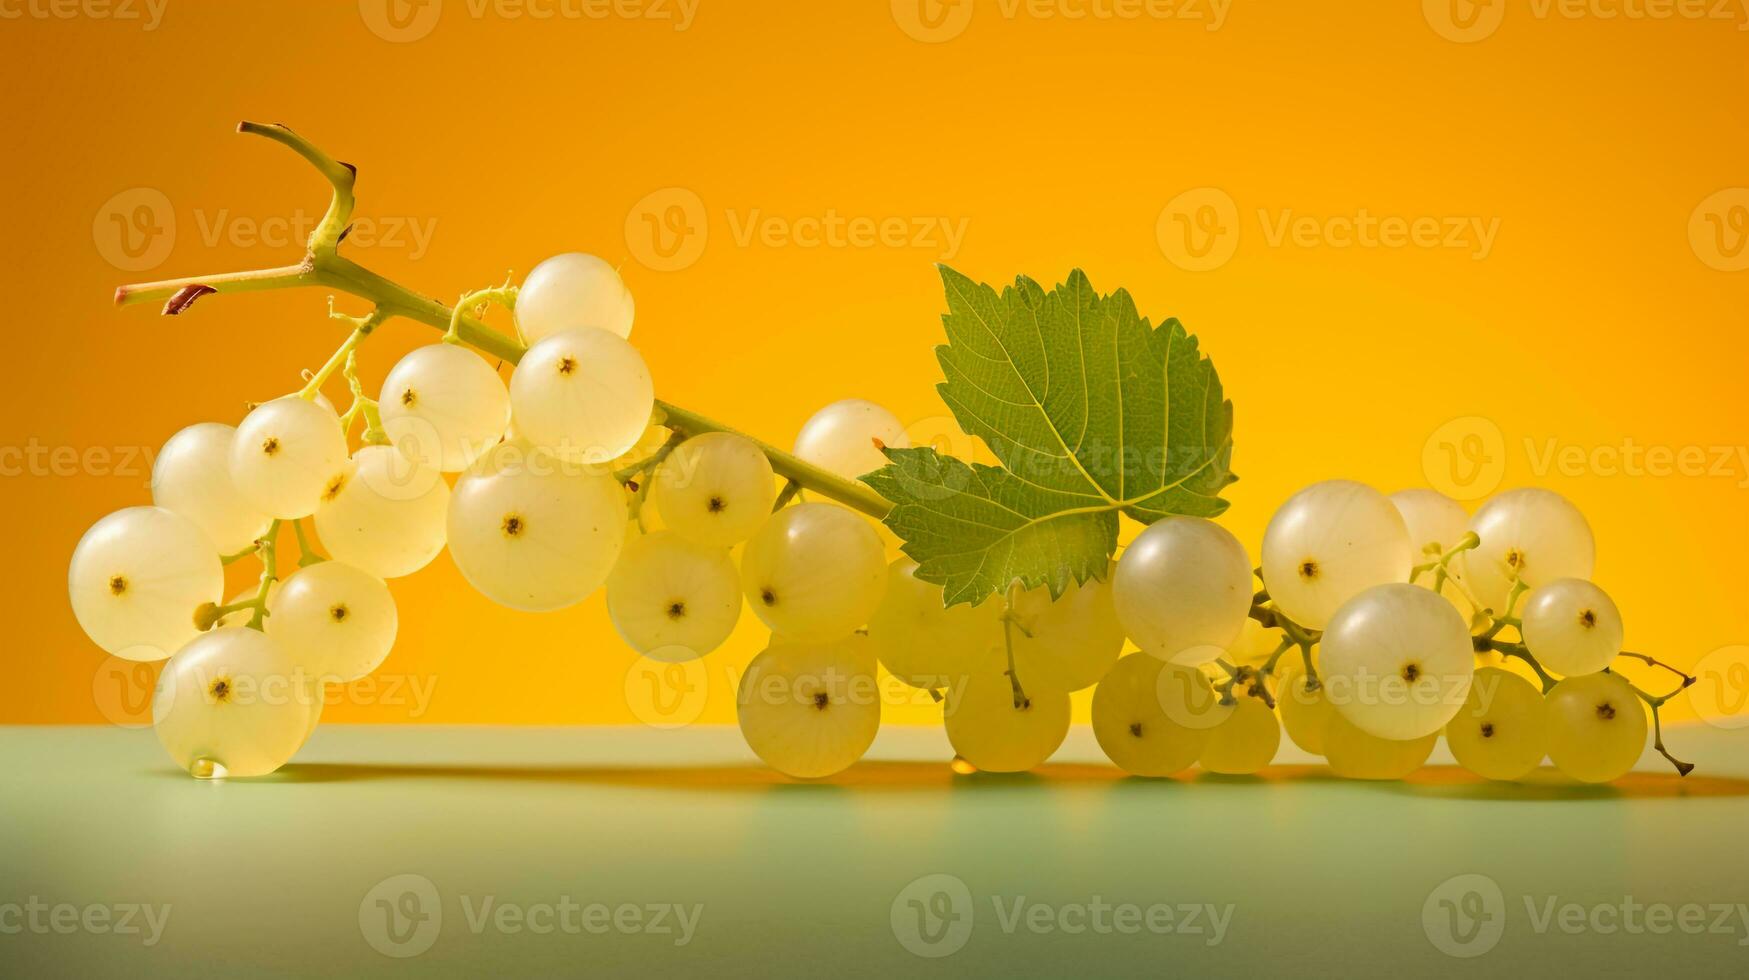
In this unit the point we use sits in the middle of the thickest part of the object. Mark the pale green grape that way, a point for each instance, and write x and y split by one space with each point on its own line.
1436 523
991 732
532 532
1355 754
1245 742
1397 661
810 710
1183 589
814 571
1596 727
715 489
1572 626
334 621
388 515
1532 534
192 476
1153 718
137 578
924 643
569 291
584 394
1305 713
1501 732
232 702
443 406
846 438
285 455
1327 544
1068 643
672 599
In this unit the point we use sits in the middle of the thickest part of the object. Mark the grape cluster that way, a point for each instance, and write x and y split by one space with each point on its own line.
1369 625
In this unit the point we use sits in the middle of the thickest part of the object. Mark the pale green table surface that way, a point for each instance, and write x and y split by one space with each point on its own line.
275 877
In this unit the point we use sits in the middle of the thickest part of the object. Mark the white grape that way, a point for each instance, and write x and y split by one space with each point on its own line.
336 622
991 732
444 406
672 599
1068 643
810 710
846 438
532 532
285 455
137 578
192 476
814 571
388 516
232 703
926 643
715 489
1396 661
585 394
1532 534
1572 626
1327 544
1183 589
569 291
1436 522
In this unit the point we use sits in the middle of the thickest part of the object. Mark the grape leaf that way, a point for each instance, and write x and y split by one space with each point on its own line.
1092 412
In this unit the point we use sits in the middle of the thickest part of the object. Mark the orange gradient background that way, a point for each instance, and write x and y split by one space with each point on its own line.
1057 141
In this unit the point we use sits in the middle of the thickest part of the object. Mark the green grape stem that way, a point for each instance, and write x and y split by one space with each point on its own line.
323 265
307 555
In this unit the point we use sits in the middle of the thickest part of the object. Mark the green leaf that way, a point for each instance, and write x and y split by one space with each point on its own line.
1092 412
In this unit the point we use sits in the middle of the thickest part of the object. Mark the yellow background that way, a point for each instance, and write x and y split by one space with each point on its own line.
1058 142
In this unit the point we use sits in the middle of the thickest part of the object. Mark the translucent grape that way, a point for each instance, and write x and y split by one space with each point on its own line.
1533 534
814 571
388 515
672 599
1327 544
569 291
1305 712
334 621
192 476
1596 727
137 578
715 489
1397 661
232 703
1572 626
1436 523
1245 742
1153 718
1355 754
1069 643
444 406
846 438
1501 731
925 644
584 394
532 532
1183 589
991 732
285 454
810 710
